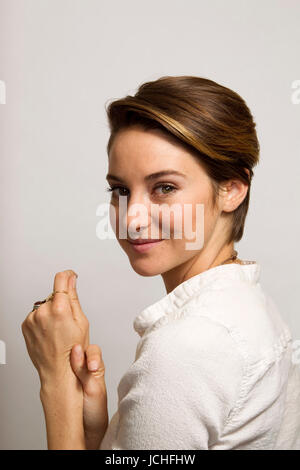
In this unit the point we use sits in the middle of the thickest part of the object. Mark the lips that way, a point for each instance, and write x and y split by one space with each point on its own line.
143 241
144 246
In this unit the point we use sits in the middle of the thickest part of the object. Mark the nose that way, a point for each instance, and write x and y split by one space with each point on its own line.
138 215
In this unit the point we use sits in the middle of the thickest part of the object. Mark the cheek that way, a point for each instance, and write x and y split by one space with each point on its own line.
191 226
187 217
181 225
171 221
117 223
113 218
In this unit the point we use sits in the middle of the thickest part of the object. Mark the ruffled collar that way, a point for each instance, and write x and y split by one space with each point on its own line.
249 271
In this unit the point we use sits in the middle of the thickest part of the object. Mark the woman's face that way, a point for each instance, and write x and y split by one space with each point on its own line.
134 156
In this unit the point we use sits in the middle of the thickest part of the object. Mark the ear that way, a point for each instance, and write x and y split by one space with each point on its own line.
235 192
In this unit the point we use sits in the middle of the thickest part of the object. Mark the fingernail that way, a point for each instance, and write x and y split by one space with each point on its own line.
93 365
73 281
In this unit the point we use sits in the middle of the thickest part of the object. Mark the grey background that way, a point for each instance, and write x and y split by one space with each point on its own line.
62 60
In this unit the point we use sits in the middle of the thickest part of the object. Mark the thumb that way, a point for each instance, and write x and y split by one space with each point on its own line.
78 364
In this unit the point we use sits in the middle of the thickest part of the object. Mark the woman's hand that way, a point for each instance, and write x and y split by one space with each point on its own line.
53 329
89 368
50 333
73 394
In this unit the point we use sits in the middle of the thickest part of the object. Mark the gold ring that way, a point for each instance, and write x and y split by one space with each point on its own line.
48 299
60 292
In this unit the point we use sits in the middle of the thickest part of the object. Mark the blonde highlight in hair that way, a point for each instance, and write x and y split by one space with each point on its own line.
209 120
173 126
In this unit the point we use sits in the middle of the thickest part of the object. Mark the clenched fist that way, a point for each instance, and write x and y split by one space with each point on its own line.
53 329
57 340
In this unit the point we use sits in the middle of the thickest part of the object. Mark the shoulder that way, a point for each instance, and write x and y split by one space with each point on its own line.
192 362
248 313
196 345
186 380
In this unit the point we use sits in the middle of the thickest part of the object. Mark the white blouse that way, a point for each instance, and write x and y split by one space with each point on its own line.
214 369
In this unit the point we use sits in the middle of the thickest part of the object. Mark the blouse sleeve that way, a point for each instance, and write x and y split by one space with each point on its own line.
181 388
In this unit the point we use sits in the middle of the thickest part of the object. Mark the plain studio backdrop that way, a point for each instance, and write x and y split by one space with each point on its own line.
61 61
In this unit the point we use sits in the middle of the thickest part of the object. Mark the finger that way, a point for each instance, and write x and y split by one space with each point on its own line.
73 298
94 358
78 364
60 301
59 279
93 383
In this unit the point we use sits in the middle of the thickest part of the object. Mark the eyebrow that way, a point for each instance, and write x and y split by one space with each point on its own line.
150 177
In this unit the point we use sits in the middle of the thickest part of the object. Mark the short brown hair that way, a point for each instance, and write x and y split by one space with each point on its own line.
210 120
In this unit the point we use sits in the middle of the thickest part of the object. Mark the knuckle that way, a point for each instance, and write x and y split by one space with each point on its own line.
100 373
27 322
37 314
40 313
59 308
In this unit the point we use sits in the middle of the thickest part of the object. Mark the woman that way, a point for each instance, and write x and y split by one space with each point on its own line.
213 367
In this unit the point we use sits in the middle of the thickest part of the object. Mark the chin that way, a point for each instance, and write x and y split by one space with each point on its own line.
154 266
146 269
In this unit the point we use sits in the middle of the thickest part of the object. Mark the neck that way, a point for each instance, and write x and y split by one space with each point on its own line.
199 263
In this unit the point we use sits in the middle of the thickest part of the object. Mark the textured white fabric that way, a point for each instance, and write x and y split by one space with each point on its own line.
213 370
